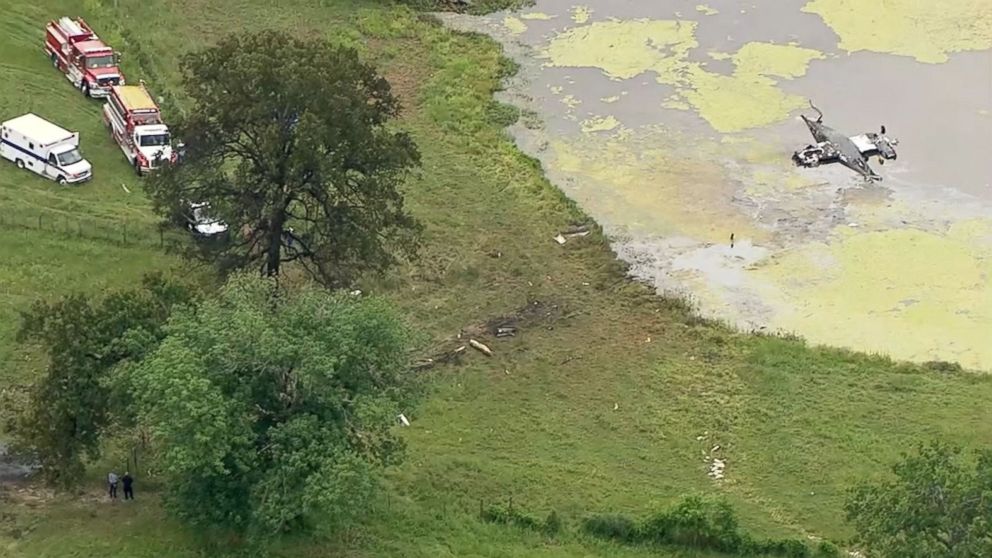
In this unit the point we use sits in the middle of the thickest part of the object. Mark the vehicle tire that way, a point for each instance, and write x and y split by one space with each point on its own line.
137 167
86 89
61 181
55 60
19 163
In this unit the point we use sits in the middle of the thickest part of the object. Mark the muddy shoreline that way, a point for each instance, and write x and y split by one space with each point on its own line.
671 124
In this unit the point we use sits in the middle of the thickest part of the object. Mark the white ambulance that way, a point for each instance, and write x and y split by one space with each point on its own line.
34 143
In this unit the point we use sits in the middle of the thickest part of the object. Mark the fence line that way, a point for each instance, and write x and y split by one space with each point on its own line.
121 233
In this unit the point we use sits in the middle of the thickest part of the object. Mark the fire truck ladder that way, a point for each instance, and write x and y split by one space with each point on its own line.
69 26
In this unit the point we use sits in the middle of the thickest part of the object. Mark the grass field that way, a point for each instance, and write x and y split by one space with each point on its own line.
609 398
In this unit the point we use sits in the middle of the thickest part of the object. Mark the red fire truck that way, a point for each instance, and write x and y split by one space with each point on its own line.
86 61
136 124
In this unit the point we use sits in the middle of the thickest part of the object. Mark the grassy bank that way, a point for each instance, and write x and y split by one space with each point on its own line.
608 399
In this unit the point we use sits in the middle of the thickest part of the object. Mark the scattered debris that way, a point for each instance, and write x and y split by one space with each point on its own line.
508 331
440 358
616 406
125 188
715 448
356 292
716 469
572 232
480 347
403 420
495 254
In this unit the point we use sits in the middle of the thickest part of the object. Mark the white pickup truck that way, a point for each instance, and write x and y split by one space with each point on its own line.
36 144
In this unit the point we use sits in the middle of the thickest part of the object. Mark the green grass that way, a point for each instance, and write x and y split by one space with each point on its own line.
596 409
55 239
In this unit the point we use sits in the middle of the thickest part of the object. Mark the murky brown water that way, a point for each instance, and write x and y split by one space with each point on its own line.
672 124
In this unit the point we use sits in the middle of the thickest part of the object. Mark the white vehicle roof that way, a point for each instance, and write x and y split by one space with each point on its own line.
152 129
38 129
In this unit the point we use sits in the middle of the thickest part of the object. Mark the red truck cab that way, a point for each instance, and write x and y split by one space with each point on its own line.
135 122
88 63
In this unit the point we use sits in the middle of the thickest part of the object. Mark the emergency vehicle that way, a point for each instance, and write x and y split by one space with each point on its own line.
36 144
135 123
89 64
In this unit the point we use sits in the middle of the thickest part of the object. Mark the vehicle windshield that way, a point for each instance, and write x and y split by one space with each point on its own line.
153 140
69 157
100 61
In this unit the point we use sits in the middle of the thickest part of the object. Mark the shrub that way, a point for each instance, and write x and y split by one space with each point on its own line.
552 524
615 527
699 523
506 515
827 549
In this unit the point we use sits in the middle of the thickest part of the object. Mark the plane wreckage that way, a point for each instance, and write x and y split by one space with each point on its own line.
853 152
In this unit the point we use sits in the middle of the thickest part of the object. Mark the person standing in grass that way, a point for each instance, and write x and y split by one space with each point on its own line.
128 489
112 485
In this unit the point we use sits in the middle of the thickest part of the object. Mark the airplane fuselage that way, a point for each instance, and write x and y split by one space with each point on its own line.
849 154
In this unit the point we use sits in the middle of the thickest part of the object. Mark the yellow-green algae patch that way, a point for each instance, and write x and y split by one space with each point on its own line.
768 59
639 180
706 10
537 15
747 98
580 14
514 25
599 124
927 31
624 49
913 294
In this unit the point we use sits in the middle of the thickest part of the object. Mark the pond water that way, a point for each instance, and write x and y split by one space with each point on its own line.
672 124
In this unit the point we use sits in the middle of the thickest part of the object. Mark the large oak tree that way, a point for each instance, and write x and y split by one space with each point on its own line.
271 406
289 142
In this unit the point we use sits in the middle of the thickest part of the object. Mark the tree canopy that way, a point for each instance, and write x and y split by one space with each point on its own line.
269 406
288 141
938 505
71 404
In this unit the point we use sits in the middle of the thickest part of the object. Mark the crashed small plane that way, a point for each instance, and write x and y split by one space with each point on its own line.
852 152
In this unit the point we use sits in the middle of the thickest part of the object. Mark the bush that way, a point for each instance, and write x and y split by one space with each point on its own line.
615 527
506 515
827 549
552 524
699 523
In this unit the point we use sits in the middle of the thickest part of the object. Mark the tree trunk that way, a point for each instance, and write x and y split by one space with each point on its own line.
274 256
